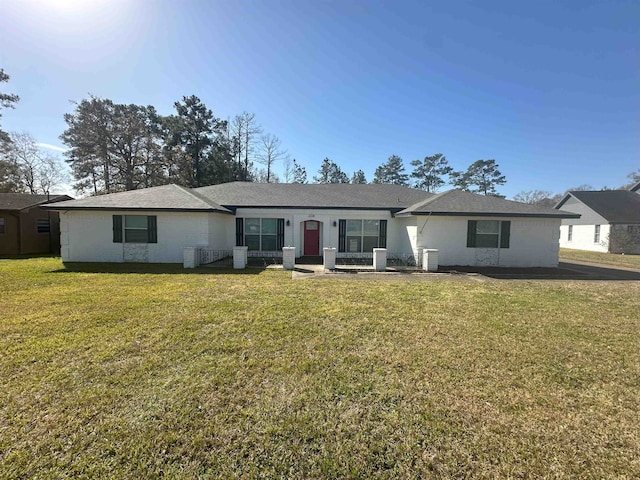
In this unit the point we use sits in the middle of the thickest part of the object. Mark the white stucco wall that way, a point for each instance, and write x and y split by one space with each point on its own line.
533 242
87 236
397 240
583 237
222 231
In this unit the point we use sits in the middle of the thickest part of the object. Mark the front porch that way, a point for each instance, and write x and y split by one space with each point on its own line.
377 260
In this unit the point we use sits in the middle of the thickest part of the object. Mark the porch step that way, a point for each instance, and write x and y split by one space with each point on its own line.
309 260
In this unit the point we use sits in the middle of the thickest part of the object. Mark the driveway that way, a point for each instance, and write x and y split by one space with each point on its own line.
565 271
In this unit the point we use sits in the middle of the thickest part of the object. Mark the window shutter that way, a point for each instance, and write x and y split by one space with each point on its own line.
280 241
152 228
505 233
239 232
471 233
342 235
117 228
382 240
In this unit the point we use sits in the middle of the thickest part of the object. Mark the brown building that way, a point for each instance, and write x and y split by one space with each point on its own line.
25 228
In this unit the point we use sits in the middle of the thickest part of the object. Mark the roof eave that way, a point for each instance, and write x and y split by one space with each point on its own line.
489 214
314 207
137 209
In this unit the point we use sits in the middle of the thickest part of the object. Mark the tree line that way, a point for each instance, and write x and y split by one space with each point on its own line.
115 147
545 198
429 174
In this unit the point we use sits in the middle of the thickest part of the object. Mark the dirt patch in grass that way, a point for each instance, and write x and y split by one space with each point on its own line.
150 374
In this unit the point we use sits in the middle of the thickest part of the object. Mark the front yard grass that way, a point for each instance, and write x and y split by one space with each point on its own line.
617 260
140 373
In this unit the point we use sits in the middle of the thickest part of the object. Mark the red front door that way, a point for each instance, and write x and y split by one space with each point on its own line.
312 237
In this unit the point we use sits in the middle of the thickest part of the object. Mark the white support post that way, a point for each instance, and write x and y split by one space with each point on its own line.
430 260
288 258
189 256
240 255
329 258
419 256
379 259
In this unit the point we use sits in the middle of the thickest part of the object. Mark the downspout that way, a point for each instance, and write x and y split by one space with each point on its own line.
425 222
419 260
49 220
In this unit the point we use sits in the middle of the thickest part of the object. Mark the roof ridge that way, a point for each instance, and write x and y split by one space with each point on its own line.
201 197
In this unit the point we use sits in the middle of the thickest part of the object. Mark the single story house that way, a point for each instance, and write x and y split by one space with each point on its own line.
26 228
609 220
155 224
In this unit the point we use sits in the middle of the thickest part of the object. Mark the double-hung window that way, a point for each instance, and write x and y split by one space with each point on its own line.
596 234
570 233
355 236
260 234
135 229
1 226
488 233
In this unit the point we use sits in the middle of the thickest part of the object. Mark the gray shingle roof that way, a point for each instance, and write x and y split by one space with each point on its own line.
616 206
292 195
20 201
163 198
457 202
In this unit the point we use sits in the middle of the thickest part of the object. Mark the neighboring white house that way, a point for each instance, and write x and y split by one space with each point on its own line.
609 220
155 224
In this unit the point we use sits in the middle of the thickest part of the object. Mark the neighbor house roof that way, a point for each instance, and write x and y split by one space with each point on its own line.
616 206
635 188
293 195
459 203
21 201
163 198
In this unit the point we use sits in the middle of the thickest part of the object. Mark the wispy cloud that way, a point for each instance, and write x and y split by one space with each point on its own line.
52 147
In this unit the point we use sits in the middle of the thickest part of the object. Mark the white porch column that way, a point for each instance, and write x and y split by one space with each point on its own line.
379 259
430 260
189 257
240 257
329 258
288 258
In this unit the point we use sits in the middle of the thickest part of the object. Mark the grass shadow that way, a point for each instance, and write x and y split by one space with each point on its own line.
153 268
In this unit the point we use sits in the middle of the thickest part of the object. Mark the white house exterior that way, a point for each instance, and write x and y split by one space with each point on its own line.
156 224
609 221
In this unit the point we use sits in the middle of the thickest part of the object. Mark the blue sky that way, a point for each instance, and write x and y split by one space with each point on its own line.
549 89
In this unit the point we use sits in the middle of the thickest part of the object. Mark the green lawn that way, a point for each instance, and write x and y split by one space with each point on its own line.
630 261
147 372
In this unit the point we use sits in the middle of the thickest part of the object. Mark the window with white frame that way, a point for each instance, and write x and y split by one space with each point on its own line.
260 234
135 229
570 233
358 236
596 234
488 233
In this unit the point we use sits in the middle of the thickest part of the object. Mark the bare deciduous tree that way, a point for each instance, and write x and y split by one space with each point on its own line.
38 171
245 129
270 151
